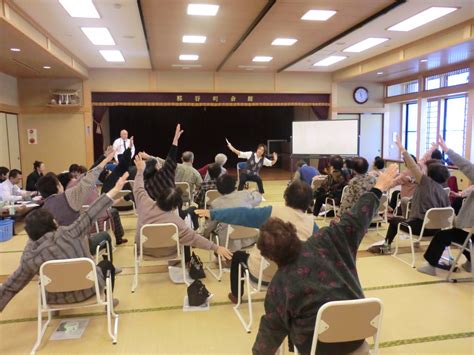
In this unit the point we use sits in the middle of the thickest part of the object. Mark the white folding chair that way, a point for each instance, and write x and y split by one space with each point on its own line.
342 321
210 196
69 275
234 232
252 289
468 245
238 175
447 190
435 218
185 189
330 203
157 236
382 213
123 203
99 250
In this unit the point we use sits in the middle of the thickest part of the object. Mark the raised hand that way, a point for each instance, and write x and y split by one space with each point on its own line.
118 186
399 144
109 150
177 134
385 180
225 253
131 142
108 158
442 144
145 155
139 162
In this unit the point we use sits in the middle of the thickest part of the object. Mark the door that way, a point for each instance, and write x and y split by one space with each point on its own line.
4 155
13 141
370 140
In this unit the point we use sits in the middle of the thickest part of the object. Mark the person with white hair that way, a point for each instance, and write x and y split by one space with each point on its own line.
219 159
121 144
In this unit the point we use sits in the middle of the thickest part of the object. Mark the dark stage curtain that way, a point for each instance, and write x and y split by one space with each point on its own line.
205 128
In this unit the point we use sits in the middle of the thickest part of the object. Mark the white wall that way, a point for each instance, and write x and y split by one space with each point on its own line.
8 90
342 100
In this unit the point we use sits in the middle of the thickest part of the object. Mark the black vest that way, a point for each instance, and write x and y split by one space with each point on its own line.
253 168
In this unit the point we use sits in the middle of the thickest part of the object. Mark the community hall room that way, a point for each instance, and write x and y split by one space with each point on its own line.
236 177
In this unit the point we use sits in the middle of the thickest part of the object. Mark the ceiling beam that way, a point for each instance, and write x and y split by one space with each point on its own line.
249 30
142 19
345 33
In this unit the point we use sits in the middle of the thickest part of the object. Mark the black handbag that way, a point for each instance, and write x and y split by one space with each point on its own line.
196 268
197 294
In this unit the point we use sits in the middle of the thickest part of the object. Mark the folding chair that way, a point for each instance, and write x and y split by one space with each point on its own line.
68 275
435 218
330 203
185 189
382 213
341 321
157 236
123 203
210 196
234 232
241 166
252 289
468 245
99 250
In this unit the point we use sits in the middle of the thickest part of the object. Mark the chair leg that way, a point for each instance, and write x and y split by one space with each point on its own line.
247 325
466 246
218 276
135 275
183 267
412 246
41 328
110 312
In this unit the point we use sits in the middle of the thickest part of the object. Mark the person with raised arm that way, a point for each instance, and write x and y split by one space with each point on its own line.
464 220
255 161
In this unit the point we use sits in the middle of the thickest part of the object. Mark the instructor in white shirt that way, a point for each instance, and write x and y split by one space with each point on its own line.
122 143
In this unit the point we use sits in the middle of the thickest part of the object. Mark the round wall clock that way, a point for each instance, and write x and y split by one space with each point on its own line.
361 95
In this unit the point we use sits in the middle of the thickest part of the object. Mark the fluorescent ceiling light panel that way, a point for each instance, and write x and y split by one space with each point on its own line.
202 9
46 67
15 49
194 39
365 44
100 36
329 61
261 58
318 15
80 8
284 41
112 55
188 57
422 18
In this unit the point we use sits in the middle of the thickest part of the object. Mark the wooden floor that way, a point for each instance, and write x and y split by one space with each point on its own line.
423 314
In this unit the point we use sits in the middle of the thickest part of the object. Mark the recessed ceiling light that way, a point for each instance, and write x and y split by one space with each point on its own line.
379 72
422 18
365 44
318 15
261 58
15 49
188 57
186 65
251 66
194 39
46 67
100 36
112 55
329 60
423 60
84 8
202 9
284 41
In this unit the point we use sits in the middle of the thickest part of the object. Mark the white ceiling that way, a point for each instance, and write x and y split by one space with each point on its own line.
121 17
377 28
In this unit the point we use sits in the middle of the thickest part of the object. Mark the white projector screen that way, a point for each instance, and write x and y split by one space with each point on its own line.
326 137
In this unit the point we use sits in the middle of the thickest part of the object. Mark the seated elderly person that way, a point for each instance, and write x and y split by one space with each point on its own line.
464 220
49 241
214 171
39 168
10 189
313 272
428 194
164 211
298 197
3 173
65 206
220 159
226 185
378 167
305 172
358 185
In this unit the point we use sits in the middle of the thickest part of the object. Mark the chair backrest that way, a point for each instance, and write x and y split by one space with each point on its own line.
316 183
68 275
211 195
155 236
122 193
383 204
240 232
185 189
447 189
344 191
341 321
439 218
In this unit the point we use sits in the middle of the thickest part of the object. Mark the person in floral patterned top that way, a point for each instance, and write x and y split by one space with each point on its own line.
314 272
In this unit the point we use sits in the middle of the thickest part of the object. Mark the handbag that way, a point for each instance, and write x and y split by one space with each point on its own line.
196 268
197 294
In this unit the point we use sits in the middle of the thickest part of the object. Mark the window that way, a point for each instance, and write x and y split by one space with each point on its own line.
452 78
410 123
453 125
407 87
432 122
